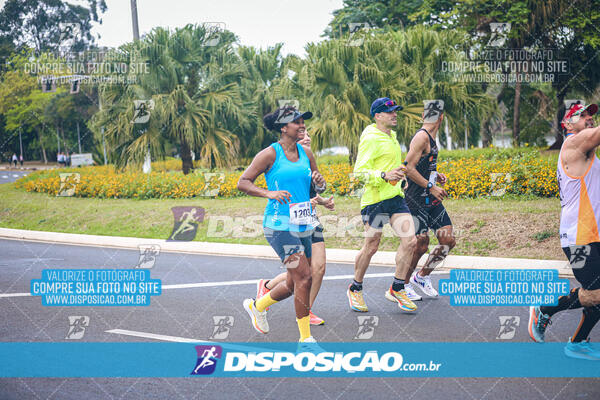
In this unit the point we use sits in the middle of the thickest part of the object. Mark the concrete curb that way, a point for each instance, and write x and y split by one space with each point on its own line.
385 258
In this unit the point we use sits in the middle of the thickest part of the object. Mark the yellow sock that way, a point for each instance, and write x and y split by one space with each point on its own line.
264 302
304 327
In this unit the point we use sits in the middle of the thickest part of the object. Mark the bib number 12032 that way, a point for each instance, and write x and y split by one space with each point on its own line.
301 213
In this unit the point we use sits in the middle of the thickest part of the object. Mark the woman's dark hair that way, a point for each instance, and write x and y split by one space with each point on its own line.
272 119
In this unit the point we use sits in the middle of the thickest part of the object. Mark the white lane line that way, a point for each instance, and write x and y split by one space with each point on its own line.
235 283
254 281
209 284
155 336
3 295
177 339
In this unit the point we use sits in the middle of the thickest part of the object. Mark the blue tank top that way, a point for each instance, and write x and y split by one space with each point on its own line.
295 177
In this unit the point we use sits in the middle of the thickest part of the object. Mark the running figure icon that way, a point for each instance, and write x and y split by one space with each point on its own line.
207 361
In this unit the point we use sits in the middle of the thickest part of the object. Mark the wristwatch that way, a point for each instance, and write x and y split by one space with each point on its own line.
429 185
383 176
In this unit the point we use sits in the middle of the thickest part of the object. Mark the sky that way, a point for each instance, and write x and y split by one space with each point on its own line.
258 23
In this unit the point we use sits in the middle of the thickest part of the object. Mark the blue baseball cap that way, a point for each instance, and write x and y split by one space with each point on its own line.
384 104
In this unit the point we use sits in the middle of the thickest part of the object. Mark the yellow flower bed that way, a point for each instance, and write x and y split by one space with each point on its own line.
472 177
106 182
467 177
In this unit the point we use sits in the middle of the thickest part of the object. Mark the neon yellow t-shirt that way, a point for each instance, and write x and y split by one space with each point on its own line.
377 152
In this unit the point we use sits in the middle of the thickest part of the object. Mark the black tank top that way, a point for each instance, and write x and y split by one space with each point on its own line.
417 196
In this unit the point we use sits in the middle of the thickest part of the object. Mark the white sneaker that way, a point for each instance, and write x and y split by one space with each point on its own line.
259 319
423 283
410 292
309 345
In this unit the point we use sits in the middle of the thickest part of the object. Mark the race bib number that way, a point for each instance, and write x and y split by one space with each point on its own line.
301 213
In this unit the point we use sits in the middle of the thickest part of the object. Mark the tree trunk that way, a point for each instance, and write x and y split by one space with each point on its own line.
187 164
486 134
57 142
517 113
42 146
352 154
78 137
62 133
186 157
487 137
560 112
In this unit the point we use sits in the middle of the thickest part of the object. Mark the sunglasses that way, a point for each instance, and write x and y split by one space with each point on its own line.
578 112
576 115
389 103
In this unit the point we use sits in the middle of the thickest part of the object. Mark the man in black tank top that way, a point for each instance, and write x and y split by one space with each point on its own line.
424 196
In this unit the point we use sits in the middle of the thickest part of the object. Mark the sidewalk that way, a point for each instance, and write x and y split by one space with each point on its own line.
28 166
384 258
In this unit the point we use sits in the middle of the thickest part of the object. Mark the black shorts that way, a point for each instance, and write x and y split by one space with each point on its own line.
433 218
286 243
379 214
585 262
317 236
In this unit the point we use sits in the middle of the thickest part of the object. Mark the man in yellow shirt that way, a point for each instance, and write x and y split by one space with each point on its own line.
379 161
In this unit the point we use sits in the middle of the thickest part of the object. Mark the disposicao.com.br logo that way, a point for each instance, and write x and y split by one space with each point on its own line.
284 360
371 361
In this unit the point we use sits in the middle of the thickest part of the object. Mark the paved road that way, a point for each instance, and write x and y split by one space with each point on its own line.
7 176
188 313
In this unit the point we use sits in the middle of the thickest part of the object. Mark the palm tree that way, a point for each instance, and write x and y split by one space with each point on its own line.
421 53
262 69
191 86
265 83
341 81
337 83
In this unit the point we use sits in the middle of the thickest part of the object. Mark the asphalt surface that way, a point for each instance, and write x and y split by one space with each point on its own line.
189 312
7 176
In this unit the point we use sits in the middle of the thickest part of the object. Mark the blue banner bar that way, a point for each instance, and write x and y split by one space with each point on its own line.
504 287
95 287
284 360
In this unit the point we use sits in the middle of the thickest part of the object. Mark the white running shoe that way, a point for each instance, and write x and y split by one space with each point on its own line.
423 283
259 319
309 345
411 293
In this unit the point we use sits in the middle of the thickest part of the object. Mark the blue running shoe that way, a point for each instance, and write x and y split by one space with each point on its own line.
309 345
537 324
582 350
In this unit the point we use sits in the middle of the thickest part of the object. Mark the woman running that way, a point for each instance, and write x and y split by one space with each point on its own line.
317 261
289 169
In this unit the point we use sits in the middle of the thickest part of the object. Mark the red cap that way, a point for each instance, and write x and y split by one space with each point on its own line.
578 109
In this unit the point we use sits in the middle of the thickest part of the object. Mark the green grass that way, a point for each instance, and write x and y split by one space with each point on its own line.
332 159
541 236
481 247
480 224
489 226
494 153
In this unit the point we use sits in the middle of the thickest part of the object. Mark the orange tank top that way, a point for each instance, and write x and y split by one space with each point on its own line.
580 204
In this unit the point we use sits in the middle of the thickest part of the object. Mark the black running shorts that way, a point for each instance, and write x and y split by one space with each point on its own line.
433 218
